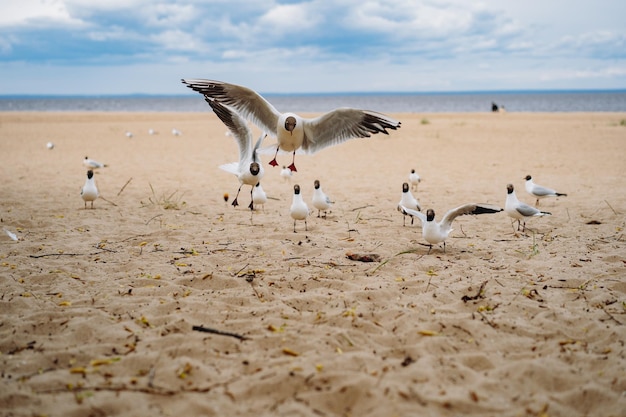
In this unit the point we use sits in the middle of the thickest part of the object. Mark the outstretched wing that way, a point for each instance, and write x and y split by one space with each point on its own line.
248 103
238 127
342 124
472 208
413 213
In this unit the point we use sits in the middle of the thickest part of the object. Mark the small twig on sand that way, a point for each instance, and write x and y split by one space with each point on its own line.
611 316
428 285
238 272
218 332
399 253
489 322
55 254
124 186
110 202
611 207
479 294
148 222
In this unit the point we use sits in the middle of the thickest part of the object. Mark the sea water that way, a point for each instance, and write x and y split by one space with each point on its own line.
518 101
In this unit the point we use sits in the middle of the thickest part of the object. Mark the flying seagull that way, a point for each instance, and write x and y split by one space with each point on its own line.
292 131
249 169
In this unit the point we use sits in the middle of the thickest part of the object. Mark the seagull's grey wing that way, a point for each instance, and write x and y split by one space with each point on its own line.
342 124
414 213
526 210
247 102
256 148
472 208
238 127
541 191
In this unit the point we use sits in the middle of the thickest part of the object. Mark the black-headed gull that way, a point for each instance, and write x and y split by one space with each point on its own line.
414 179
437 232
259 196
407 201
249 169
298 210
292 131
92 164
89 192
286 174
520 211
539 191
320 200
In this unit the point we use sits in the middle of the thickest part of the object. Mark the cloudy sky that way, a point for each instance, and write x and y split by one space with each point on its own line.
282 46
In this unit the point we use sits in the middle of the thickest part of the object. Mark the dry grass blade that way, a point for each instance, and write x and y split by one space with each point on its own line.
169 202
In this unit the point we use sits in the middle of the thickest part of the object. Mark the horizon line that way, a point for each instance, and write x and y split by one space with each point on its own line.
328 93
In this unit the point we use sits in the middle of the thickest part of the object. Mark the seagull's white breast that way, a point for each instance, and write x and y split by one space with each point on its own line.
89 191
432 233
510 206
299 209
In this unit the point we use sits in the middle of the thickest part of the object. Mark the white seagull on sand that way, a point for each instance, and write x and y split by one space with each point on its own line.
408 201
292 131
89 192
91 164
520 211
249 169
414 179
436 232
298 210
259 196
286 174
320 200
539 191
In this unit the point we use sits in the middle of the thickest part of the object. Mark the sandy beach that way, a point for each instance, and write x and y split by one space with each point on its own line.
98 307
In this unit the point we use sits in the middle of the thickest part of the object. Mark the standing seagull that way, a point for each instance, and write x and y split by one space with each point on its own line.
292 131
259 197
89 192
299 210
91 164
539 191
286 174
320 200
408 201
434 232
249 170
414 179
520 211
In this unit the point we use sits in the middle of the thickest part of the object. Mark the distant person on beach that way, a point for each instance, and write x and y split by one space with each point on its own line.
497 109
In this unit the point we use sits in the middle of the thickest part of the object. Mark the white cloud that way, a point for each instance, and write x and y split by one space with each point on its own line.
38 13
178 40
169 15
345 45
289 17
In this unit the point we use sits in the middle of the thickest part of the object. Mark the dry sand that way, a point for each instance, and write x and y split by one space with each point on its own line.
98 306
